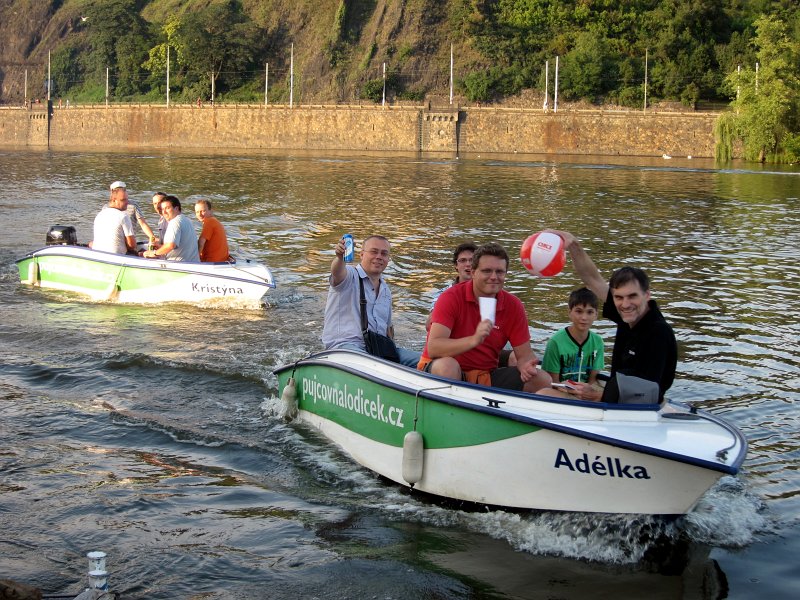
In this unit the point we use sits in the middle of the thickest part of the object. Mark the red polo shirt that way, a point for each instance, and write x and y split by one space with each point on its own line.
457 309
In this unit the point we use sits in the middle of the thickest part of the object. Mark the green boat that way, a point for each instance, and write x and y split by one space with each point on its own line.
510 449
109 277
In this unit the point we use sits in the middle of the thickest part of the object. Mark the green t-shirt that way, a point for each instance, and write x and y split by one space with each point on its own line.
571 360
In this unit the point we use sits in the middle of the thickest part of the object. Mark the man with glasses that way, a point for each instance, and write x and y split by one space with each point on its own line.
113 230
462 261
463 345
342 328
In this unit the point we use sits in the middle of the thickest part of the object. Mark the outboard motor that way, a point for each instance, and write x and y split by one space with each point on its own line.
62 235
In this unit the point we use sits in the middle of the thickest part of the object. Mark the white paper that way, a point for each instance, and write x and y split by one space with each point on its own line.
488 308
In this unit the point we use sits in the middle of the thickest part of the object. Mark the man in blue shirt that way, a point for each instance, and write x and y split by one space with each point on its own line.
180 239
342 327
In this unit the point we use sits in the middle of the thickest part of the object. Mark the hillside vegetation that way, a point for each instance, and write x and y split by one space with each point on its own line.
686 51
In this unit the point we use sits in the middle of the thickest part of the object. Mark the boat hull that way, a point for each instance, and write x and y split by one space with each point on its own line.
103 276
526 452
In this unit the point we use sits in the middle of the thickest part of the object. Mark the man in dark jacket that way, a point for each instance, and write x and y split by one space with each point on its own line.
645 345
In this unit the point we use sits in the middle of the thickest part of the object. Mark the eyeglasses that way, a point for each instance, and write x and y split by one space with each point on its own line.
496 272
463 261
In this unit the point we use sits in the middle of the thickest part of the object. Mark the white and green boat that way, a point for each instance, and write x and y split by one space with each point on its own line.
104 276
510 449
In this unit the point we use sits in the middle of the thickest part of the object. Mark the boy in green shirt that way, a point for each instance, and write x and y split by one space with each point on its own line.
574 355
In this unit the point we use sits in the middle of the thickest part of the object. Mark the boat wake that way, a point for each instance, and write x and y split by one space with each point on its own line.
728 515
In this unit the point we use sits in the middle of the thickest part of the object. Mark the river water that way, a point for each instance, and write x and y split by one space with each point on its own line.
147 431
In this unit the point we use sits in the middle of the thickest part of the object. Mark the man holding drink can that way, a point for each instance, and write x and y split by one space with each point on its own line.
342 328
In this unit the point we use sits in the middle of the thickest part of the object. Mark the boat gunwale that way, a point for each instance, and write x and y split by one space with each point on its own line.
732 469
160 266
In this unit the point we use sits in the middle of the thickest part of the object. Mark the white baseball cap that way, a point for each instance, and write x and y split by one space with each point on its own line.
117 184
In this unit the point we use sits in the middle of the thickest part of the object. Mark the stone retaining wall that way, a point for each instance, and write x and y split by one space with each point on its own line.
447 130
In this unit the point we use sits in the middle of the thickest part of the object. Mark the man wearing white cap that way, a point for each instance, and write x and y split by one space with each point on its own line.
113 230
133 210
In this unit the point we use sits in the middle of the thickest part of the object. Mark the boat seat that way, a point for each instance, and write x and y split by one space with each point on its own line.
635 390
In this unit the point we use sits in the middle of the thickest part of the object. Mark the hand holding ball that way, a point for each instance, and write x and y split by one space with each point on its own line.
543 254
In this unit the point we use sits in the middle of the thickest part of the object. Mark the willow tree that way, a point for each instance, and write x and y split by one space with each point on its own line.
766 108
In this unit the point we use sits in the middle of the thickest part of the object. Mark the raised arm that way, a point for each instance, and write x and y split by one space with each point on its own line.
338 267
146 229
143 224
584 266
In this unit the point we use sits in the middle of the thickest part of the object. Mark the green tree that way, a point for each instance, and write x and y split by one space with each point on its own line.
156 63
587 70
766 113
220 42
682 36
64 70
118 39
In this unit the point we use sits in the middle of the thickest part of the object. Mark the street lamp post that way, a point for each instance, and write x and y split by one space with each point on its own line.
167 75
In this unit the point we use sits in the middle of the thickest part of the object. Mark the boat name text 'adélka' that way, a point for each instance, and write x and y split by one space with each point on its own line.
215 289
601 465
374 409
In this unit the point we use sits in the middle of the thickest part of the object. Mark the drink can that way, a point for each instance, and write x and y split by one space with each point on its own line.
349 251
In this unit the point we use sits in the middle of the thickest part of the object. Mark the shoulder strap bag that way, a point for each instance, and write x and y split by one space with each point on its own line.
378 345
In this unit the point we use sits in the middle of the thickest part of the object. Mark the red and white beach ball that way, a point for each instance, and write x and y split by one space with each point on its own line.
543 254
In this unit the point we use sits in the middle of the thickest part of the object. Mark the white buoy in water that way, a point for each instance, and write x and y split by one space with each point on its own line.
413 451
98 580
97 561
289 399
98 576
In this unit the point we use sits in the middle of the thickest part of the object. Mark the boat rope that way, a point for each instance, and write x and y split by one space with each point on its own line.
722 454
416 400
250 273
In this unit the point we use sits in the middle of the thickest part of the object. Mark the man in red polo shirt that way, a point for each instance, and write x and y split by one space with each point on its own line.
463 346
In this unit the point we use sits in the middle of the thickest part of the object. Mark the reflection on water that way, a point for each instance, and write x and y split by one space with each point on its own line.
139 430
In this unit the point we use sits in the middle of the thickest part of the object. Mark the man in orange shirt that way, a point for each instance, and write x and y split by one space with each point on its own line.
212 243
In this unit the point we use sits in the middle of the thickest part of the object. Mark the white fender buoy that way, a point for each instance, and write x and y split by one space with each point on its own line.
33 273
413 451
289 400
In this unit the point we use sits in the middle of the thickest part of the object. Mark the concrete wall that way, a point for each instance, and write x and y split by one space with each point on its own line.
19 127
354 128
